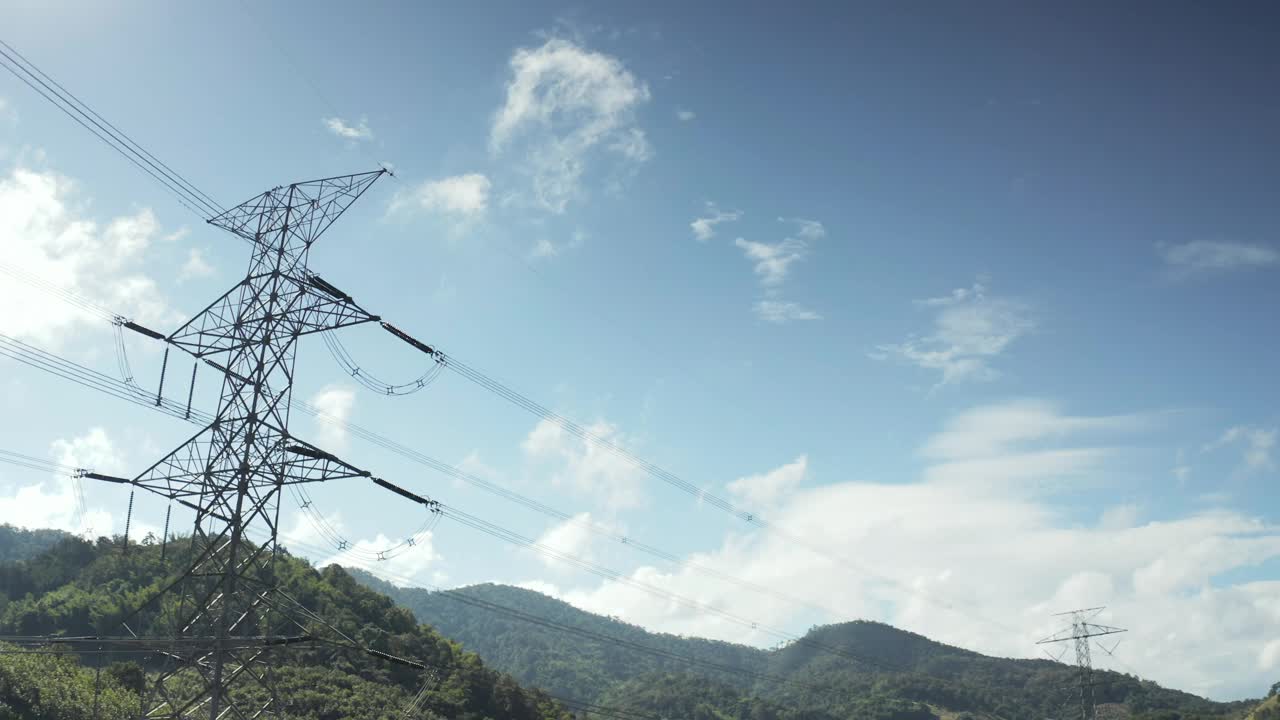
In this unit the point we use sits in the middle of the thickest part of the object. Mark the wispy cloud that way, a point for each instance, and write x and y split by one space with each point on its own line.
773 260
586 467
460 195
196 266
970 329
546 248
563 102
704 228
685 115
772 265
807 229
1258 445
782 311
358 132
335 403
1205 256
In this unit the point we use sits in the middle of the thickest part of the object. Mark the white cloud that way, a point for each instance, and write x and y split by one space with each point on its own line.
459 196
782 311
982 565
773 260
765 490
336 402
44 233
401 564
545 248
56 503
563 101
1258 445
970 329
587 467
704 228
571 537
1002 428
633 145
196 266
1269 656
807 229
357 132
1203 255
685 115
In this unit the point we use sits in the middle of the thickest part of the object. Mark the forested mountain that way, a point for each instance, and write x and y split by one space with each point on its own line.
855 669
73 587
51 583
20 544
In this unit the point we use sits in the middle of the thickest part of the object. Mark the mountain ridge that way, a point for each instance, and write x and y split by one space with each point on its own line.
908 675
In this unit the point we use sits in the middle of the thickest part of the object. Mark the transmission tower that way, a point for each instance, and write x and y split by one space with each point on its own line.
226 613
1081 632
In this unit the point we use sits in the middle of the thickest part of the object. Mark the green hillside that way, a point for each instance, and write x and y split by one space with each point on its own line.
855 669
79 588
1268 709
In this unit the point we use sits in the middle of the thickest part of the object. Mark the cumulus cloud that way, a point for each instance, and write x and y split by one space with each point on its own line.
704 228
59 502
564 104
586 467
983 565
1258 445
970 329
766 489
1203 255
334 401
358 132
782 311
400 565
571 537
44 233
458 196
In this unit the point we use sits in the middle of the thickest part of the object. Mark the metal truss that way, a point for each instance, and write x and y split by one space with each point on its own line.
224 622
1080 633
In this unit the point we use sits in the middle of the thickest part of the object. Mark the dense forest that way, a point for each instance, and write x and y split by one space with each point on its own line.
503 637
855 669
67 586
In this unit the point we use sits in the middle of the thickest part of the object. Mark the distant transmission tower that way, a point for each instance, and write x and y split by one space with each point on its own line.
226 612
1081 632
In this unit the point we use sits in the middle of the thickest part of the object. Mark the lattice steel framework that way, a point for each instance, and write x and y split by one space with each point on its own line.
1081 633
226 615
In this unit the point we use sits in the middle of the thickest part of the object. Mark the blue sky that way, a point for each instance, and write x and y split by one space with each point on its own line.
979 296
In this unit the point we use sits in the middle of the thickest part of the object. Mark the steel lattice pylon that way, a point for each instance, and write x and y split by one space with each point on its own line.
226 615
1081 634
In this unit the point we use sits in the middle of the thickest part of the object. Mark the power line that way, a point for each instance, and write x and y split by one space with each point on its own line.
525 617
488 486
701 495
30 74
232 472
480 525
512 537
